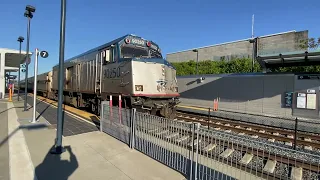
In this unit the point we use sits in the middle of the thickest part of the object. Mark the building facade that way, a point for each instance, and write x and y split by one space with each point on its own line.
269 44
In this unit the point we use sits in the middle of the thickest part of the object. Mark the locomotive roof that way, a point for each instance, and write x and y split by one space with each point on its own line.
100 47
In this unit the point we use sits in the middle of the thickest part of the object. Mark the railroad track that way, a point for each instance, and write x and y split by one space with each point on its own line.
307 141
259 158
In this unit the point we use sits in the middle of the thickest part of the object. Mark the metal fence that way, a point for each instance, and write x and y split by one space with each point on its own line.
205 153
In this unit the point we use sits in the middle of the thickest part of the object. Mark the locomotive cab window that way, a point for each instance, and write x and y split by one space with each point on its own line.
130 52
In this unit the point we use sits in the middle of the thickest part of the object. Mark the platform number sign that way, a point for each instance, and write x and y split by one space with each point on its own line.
23 66
44 54
23 70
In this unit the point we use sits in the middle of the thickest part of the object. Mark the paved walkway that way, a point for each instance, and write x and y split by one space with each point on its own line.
4 147
89 155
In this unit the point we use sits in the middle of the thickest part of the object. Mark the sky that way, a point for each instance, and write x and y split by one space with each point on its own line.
174 25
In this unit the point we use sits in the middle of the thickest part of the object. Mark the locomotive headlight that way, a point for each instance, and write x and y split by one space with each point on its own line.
139 87
176 89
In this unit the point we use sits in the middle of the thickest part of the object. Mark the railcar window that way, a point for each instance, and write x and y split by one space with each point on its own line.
129 52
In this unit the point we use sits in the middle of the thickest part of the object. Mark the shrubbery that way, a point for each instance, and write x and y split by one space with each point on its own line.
241 65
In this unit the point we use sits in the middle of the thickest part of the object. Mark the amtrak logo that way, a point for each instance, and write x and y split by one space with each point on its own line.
161 85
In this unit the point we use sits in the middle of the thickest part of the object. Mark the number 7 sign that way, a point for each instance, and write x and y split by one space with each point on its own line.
44 54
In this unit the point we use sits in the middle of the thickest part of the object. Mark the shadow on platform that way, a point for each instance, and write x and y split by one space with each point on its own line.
28 127
10 108
53 167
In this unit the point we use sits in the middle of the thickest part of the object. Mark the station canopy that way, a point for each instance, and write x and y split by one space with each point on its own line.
13 58
290 59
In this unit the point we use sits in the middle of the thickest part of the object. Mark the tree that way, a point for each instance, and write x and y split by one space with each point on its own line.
310 43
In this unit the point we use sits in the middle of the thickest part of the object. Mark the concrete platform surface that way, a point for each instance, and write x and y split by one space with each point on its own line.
90 155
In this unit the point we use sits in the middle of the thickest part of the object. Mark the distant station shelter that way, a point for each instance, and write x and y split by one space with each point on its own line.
10 61
289 59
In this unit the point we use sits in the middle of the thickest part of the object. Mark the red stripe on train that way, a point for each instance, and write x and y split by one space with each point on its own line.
153 95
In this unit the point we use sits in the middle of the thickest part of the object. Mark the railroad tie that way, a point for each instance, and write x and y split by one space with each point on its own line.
226 153
162 132
308 147
153 130
290 136
271 140
270 166
183 138
255 136
172 135
288 143
296 173
195 142
209 147
246 158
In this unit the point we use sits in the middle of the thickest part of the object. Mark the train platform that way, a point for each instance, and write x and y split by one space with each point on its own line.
307 125
90 154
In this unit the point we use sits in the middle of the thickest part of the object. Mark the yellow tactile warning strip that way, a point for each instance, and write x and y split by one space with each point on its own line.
86 115
193 107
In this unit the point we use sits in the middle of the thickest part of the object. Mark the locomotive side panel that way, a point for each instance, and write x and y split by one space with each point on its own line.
117 78
42 82
55 78
87 77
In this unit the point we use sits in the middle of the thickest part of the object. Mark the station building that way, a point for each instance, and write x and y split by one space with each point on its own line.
268 44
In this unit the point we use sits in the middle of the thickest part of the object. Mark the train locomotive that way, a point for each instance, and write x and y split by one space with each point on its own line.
129 66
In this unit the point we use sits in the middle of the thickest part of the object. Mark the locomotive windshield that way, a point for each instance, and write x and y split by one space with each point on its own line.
130 52
136 47
155 54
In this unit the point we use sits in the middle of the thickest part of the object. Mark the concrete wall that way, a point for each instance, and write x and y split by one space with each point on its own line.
256 94
249 93
243 48
287 42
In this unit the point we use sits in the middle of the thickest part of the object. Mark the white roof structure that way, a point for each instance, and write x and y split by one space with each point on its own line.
13 58
10 60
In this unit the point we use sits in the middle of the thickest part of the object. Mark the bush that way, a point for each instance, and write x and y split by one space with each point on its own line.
238 65
216 67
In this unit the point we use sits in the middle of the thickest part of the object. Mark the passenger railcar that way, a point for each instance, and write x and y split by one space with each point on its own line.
129 66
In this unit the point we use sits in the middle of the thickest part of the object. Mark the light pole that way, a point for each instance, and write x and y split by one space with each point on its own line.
58 149
253 41
20 40
29 15
196 50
